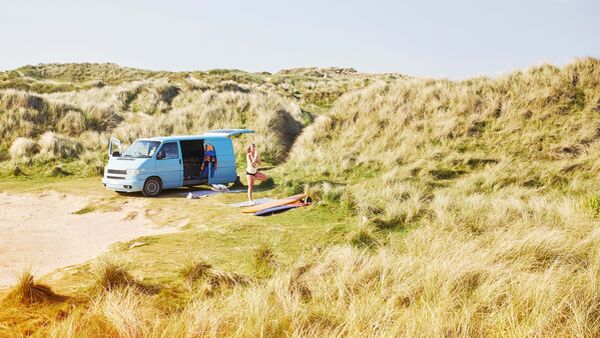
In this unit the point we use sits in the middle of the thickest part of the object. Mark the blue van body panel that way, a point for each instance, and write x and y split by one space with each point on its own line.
135 184
170 169
115 177
130 174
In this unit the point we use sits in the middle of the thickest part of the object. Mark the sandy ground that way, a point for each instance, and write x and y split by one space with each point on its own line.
41 232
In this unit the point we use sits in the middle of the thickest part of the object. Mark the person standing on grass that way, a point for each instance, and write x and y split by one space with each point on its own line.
252 172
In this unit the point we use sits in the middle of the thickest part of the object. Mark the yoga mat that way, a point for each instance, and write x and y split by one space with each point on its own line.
256 201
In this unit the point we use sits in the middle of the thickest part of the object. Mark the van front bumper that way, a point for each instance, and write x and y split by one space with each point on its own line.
123 185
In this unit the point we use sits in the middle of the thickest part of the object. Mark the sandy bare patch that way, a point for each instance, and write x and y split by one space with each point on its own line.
41 232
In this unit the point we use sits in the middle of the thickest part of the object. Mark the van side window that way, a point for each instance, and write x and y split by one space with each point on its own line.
171 150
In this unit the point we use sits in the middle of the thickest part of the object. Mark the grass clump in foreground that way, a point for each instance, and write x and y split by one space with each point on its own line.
195 270
198 270
111 275
28 292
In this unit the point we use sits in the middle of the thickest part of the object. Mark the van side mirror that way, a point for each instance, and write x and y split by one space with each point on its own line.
116 154
160 155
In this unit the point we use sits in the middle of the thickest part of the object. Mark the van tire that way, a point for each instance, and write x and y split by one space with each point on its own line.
152 187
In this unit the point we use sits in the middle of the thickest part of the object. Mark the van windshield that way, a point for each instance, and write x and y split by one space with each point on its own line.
142 149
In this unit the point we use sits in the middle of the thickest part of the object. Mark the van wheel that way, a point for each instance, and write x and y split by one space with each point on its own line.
152 187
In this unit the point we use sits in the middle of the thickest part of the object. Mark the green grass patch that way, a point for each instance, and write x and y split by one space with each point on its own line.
592 203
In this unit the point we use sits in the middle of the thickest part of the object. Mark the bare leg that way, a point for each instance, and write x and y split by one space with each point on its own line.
260 176
250 180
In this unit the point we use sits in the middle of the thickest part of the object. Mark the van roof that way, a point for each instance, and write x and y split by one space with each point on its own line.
181 137
218 133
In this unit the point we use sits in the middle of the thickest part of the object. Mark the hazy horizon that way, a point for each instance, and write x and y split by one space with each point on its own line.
427 39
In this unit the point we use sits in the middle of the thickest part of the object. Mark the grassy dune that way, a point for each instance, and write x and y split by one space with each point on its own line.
69 123
444 208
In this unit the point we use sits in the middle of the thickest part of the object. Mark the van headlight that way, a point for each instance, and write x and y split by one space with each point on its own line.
134 172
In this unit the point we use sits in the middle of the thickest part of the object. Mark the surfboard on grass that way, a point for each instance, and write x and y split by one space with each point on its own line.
276 203
281 208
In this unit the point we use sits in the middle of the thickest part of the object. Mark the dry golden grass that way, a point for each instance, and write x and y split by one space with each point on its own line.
27 292
442 279
23 147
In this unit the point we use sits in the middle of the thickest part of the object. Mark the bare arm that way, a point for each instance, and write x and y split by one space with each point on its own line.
251 160
255 159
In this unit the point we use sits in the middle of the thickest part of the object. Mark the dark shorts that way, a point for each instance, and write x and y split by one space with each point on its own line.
247 173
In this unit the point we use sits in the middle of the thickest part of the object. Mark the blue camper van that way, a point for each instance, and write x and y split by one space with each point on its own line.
151 165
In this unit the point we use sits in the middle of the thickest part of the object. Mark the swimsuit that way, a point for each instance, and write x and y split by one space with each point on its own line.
251 169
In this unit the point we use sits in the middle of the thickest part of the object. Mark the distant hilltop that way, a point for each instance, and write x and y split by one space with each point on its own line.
319 72
87 71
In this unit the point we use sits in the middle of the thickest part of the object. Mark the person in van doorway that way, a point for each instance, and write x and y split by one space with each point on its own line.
210 157
252 172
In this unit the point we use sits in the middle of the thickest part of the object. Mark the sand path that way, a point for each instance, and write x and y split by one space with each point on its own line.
40 231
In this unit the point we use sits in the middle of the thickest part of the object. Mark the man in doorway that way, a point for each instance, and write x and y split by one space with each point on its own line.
210 160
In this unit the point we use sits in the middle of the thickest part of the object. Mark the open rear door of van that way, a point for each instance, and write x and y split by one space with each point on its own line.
228 132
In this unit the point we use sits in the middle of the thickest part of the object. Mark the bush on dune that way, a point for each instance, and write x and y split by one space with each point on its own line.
58 146
23 147
72 123
28 292
109 274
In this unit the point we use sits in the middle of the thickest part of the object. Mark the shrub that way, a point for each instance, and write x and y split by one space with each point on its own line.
58 171
4 154
264 257
292 186
102 117
73 123
111 275
58 146
593 204
94 141
218 278
199 270
16 171
327 193
195 270
23 147
363 237
28 292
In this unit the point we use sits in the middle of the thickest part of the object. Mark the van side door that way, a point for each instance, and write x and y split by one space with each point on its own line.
225 172
169 165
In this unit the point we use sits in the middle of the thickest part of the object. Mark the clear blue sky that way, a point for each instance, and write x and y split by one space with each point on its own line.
455 39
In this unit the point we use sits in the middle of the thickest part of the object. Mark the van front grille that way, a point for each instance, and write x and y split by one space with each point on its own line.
116 171
115 177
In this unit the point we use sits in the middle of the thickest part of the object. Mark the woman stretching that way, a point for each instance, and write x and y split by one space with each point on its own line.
252 172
